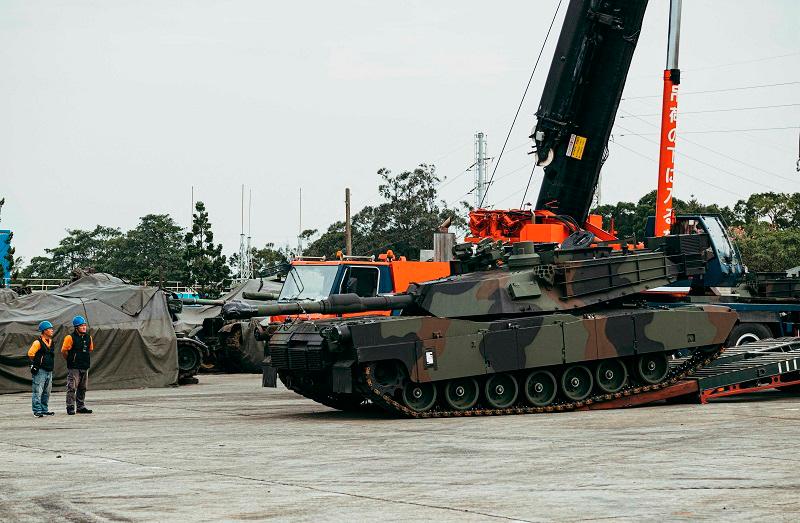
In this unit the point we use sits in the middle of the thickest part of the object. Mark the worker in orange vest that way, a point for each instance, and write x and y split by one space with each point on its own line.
42 360
75 349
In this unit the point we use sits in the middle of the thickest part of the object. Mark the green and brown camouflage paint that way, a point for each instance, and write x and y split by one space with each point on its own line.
566 310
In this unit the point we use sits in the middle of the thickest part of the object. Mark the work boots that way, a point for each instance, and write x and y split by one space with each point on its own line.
70 411
84 410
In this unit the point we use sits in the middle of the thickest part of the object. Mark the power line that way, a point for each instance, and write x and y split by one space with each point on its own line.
444 183
709 131
727 64
525 194
451 151
683 155
715 151
684 173
519 108
720 66
714 90
509 173
505 175
727 109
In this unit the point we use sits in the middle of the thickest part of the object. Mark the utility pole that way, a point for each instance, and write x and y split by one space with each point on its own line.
300 227
480 168
242 245
249 237
669 124
348 227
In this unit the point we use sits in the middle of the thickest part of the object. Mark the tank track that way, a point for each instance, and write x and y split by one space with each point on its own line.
342 402
676 373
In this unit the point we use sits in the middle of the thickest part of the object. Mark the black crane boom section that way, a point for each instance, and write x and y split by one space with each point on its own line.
580 100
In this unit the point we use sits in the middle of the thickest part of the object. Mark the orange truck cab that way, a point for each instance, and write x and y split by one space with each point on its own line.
313 279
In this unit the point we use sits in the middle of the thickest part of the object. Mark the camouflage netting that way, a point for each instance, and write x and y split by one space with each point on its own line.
135 344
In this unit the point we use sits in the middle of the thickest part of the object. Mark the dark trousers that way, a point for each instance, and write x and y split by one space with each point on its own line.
77 380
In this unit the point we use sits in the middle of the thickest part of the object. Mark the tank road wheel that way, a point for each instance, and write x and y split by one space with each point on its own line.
461 393
419 396
577 383
610 375
540 388
501 390
652 368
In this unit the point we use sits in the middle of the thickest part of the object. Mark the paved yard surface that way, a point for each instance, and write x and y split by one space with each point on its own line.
227 449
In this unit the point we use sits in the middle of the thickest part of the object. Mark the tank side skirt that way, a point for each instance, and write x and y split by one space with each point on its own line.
515 347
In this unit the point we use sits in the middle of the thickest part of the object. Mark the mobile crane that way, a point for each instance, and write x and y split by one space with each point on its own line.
574 121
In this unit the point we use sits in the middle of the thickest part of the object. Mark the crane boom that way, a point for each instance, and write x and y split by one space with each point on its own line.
580 100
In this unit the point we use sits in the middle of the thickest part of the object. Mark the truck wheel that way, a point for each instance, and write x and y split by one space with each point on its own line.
188 358
747 333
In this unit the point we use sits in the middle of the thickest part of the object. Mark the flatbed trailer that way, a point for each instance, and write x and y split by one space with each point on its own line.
755 367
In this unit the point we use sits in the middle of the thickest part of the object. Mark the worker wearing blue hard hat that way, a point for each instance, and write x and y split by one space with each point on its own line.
75 349
42 358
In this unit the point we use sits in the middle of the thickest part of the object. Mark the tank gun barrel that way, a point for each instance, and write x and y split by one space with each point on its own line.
201 301
335 304
260 296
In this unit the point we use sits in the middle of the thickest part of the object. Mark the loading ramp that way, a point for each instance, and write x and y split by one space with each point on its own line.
758 366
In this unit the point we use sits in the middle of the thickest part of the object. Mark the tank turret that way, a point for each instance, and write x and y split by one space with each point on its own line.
527 279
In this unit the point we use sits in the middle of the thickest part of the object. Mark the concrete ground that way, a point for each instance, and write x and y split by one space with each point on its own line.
227 449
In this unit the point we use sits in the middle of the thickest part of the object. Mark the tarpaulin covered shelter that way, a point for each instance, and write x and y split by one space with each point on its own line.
135 343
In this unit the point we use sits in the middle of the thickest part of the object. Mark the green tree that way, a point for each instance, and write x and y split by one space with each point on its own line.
79 249
152 251
404 222
630 219
205 264
263 259
779 210
765 249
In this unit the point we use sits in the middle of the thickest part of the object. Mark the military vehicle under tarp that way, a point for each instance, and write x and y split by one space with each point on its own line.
231 346
135 344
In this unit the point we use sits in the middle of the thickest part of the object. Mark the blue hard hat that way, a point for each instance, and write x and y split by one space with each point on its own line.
43 326
77 321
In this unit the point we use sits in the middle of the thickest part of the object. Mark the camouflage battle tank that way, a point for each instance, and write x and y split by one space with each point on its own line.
524 329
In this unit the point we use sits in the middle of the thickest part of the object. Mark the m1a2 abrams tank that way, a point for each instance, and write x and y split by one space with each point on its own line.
536 329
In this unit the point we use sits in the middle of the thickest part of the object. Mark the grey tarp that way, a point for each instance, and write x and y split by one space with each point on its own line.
135 344
7 295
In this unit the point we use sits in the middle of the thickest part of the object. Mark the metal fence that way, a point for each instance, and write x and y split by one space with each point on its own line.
48 284
41 284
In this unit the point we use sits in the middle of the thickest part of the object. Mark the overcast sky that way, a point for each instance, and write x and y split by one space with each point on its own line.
111 110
